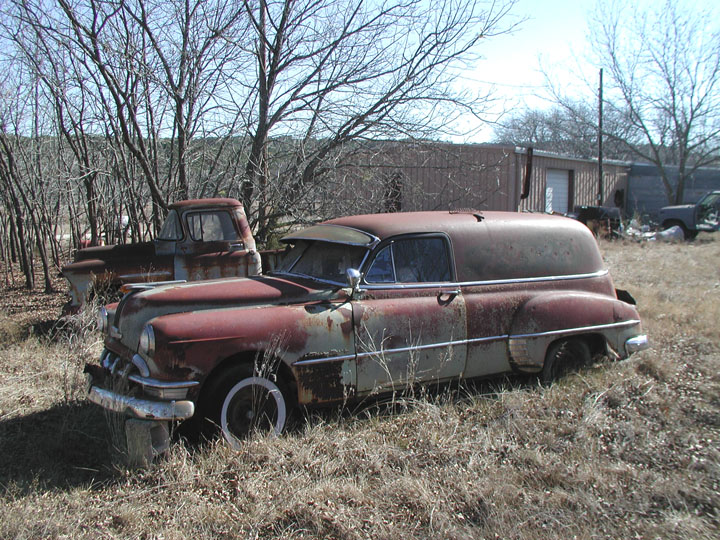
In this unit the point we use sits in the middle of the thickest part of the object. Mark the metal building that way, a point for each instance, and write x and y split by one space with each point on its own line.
433 176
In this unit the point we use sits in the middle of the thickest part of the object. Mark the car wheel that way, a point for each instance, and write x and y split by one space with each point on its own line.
687 234
253 403
564 356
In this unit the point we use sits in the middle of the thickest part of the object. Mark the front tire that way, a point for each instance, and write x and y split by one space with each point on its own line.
687 233
253 403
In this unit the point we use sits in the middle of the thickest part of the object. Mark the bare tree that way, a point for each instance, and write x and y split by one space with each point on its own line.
26 189
333 72
570 131
662 68
155 69
261 99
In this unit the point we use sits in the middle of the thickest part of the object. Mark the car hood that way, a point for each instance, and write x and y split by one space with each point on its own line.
138 308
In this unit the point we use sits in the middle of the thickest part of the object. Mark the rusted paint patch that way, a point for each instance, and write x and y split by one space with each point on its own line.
322 383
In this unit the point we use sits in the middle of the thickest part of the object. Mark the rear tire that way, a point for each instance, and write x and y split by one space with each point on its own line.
563 357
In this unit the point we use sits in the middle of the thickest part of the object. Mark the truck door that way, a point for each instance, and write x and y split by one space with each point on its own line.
410 322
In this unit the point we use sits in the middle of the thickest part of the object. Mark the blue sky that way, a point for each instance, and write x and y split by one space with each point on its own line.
553 35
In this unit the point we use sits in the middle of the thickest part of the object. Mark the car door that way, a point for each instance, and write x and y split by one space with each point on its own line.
410 320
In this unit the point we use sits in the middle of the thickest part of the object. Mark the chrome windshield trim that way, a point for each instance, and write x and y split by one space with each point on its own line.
341 285
578 329
155 383
367 286
311 278
374 240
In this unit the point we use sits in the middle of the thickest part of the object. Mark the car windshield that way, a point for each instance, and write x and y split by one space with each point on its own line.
325 261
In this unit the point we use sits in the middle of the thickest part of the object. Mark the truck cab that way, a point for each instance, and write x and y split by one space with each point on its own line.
200 239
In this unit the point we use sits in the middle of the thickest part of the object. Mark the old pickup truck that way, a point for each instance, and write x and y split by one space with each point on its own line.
200 239
693 218
361 306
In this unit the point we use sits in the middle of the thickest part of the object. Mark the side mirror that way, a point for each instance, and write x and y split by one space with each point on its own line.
353 278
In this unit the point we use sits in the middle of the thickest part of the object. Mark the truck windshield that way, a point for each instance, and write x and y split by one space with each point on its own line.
325 261
708 208
171 229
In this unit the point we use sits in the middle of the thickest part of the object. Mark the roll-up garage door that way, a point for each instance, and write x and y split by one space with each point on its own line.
557 190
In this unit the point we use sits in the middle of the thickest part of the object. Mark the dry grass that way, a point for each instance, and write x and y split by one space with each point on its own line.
620 450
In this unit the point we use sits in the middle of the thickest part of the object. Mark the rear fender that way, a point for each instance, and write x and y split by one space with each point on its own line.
544 319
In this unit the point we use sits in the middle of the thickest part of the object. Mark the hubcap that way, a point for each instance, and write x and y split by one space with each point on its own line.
252 404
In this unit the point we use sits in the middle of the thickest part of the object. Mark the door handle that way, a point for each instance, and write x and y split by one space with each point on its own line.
445 297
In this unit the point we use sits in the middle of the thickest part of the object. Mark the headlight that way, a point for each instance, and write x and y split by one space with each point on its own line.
102 320
146 347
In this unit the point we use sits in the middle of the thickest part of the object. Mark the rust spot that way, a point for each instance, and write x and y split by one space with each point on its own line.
320 383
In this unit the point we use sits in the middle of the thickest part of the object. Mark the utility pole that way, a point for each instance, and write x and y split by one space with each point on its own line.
600 141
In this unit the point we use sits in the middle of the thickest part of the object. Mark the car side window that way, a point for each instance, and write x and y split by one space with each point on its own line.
211 227
382 270
412 260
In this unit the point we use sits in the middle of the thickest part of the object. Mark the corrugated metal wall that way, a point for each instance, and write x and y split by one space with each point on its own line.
583 181
435 176
646 193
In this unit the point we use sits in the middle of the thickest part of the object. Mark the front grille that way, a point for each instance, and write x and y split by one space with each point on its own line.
118 370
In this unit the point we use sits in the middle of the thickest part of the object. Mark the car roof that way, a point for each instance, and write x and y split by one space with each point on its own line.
487 245
391 224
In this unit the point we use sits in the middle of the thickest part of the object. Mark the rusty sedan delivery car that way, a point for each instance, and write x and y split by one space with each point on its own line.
359 306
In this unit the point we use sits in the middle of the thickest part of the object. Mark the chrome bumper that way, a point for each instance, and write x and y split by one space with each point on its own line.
636 344
141 408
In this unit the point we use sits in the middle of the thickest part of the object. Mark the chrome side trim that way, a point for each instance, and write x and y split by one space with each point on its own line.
149 285
471 341
412 348
540 279
312 361
577 329
155 383
397 351
141 408
485 339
